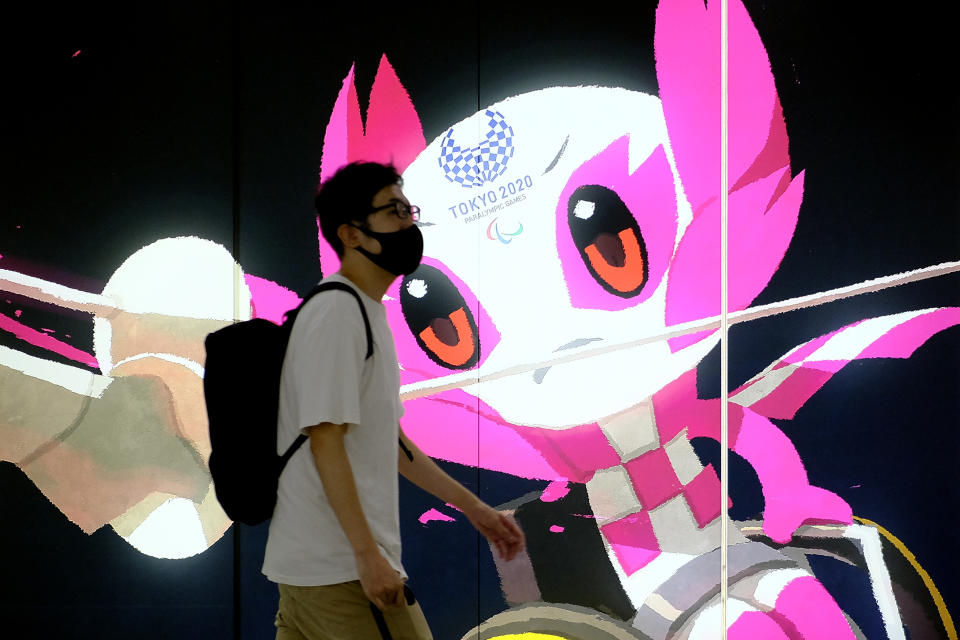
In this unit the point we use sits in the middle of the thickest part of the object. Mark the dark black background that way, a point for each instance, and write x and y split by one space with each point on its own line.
174 119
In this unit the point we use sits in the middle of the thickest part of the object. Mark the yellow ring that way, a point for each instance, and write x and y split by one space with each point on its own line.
528 636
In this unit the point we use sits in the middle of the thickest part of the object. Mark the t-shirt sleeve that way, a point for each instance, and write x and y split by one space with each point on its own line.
328 362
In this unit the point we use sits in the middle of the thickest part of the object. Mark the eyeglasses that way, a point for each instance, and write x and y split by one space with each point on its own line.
401 209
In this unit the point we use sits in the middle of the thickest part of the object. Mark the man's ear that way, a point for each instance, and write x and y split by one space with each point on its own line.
349 235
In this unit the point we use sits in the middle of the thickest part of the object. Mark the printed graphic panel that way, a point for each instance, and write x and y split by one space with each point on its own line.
568 172
583 218
116 212
820 461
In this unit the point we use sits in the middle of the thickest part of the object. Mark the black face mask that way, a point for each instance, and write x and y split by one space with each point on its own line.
400 251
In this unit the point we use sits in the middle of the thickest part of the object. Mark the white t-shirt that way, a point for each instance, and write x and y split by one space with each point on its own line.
326 379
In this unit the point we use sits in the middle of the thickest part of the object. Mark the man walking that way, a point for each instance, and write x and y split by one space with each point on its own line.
334 542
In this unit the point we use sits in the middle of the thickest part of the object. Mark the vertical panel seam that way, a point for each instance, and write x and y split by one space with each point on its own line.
724 343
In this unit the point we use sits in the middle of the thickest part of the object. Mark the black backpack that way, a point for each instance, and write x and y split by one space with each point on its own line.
241 386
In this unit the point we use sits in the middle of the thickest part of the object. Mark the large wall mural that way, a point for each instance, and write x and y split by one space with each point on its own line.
560 338
128 446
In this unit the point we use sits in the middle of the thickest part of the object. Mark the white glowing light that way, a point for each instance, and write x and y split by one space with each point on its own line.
584 209
417 288
186 277
173 530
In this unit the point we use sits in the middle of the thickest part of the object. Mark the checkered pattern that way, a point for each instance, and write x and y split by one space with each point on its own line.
476 166
652 478
633 541
655 482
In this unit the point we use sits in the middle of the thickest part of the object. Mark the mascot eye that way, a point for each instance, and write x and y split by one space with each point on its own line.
440 318
608 239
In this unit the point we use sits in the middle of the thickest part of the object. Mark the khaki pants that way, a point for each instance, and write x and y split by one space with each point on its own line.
342 612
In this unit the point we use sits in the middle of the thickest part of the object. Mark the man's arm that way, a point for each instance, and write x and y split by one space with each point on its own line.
380 581
497 527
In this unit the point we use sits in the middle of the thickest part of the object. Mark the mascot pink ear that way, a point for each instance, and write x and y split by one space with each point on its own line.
687 48
393 133
344 132
764 196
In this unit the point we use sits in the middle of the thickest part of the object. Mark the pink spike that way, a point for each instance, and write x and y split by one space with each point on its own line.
336 138
764 201
686 45
344 135
355 142
752 96
687 48
774 155
393 130
394 133
757 242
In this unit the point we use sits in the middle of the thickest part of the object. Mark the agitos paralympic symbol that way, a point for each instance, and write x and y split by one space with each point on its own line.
506 238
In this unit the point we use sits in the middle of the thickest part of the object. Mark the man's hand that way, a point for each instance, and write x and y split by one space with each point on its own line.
499 528
381 583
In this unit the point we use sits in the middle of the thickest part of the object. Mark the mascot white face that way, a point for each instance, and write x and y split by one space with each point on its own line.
549 220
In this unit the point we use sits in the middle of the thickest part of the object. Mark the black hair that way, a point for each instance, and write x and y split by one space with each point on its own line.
347 196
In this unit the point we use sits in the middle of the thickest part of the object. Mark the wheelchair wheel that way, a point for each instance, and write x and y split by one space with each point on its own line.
553 622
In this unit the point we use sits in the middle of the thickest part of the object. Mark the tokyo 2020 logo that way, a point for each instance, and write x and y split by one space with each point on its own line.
475 166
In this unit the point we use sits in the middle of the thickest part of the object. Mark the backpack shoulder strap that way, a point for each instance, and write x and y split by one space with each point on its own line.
339 286
327 286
